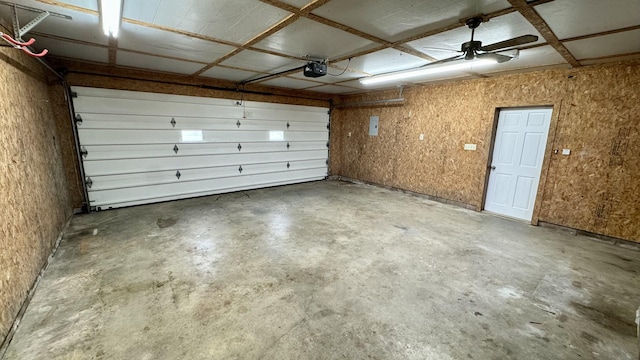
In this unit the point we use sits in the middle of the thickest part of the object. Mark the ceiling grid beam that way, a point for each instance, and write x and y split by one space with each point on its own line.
532 16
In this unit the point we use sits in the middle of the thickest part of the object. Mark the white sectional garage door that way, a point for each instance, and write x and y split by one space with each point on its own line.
143 147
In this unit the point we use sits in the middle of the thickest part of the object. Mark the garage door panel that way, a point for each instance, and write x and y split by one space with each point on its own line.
189 188
84 92
125 137
111 182
97 105
113 152
144 147
177 123
123 166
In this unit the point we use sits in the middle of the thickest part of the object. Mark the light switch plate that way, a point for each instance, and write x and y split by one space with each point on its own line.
421 136
373 125
566 151
471 147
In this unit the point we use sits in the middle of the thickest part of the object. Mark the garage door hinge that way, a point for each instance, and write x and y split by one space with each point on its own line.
78 119
178 174
327 144
88 182
238 123
239 147
288 146
288 165
326 161
288 125
173 122
84 152
240 169
328 126
74 94
175 148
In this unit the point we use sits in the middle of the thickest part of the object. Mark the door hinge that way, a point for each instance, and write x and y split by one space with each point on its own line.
78 119
238 124
288 165
88 182
84 152
239 147
288 125
175 148
178 175
74 94
173 122
288 146
327 144
240 169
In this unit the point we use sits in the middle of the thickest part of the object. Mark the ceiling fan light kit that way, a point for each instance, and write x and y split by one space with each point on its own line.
472 54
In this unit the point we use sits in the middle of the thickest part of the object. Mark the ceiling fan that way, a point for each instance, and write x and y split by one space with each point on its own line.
473 49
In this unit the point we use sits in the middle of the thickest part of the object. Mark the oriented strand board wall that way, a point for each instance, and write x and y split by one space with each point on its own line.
102 76
34 202
595 114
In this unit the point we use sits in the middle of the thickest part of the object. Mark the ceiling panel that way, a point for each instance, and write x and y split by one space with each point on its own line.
141 38
223 73
155 63
84 27
537 57
396 20
231 20
619 43
498 29
333 89
306 37
71 50
290 83
297 3
570 18
258 61
383 61
87 4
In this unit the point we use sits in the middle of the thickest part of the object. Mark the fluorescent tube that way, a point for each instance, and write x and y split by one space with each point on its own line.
110 10
425 70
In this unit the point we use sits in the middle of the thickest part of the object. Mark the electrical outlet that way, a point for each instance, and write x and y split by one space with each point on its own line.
566 151
421 137
470 147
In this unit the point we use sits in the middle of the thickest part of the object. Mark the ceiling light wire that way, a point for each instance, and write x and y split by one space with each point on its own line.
343 71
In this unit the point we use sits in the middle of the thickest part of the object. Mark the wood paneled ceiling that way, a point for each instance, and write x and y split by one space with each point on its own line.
241 39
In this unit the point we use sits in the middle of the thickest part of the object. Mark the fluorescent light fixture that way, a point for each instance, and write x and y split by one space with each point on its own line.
110 10
426 70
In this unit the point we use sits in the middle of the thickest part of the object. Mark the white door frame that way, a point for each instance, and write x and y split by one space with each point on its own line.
541 177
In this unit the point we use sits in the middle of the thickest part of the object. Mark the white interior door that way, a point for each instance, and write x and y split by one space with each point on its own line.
516 164
142 147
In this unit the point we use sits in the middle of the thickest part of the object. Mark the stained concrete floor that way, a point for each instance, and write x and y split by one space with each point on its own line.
328 270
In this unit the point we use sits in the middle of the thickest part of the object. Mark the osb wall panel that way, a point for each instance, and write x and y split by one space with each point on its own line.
597 188
595 114
34 202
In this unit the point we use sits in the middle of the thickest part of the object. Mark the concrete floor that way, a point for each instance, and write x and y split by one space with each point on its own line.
328 270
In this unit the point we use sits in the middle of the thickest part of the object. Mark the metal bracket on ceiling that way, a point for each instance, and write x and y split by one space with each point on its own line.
18 32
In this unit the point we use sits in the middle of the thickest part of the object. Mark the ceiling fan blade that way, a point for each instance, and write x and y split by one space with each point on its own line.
457 57
520 40
498 57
